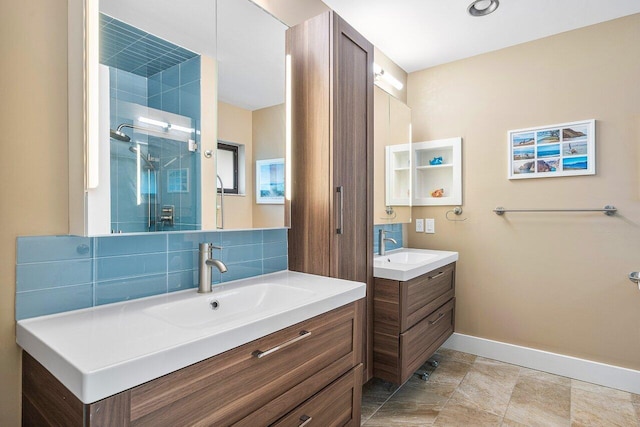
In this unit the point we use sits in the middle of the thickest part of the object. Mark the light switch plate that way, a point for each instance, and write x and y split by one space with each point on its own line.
430 224
419 225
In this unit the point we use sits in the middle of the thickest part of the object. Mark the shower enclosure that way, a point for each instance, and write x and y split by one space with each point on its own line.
154 115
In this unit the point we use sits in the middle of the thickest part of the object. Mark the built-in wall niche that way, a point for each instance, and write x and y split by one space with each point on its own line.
437 172
238 51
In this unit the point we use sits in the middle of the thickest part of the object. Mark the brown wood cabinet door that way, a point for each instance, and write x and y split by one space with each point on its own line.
352 153
308 46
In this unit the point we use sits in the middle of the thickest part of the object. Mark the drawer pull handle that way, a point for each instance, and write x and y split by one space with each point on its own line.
305 420
433 322
260 354
437 275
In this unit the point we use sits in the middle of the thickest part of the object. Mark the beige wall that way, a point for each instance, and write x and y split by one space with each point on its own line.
234 125
556 282
268 143
33 165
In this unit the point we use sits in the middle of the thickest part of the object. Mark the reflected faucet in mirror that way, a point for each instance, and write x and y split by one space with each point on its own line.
206 262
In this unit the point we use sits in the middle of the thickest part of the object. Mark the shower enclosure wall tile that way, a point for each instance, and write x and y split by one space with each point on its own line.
190 71
171 78
171 101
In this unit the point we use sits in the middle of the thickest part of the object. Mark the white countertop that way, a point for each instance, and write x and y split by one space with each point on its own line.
100 351
407 263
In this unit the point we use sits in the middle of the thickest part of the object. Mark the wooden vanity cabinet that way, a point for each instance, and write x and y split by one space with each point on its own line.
332 152
412 320
321 369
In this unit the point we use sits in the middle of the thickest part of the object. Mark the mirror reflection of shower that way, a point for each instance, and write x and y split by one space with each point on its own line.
153 105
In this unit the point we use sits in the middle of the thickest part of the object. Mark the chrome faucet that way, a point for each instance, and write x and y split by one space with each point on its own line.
205 262
382 238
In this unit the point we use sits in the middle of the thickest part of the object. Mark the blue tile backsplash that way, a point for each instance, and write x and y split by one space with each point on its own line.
62 273
393 230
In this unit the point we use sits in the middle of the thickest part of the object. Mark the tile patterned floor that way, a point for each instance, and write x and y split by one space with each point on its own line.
466 390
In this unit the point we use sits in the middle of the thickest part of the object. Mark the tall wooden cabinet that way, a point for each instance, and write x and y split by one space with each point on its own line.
332 154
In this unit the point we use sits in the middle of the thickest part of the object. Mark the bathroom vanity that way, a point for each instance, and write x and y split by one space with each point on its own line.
413 310
286 357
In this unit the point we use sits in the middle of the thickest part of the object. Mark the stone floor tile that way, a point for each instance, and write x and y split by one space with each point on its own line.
487 386
541 403
455 355
510 423
404 413
424 392
374 393
595 388
545 376
455 414
606 407
450 372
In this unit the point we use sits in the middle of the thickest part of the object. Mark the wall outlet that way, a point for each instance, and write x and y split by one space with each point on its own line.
419 225
430 225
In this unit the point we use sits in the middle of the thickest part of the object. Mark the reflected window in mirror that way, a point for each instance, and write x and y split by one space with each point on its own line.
228 168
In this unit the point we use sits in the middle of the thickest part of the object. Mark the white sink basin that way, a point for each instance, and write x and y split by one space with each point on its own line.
230 306
100 351
405 264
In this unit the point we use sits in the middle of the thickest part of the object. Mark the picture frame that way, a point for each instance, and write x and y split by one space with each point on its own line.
178 180
565 149
270 181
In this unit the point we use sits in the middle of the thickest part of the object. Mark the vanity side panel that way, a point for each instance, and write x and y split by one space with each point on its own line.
386 306
46 401
114 411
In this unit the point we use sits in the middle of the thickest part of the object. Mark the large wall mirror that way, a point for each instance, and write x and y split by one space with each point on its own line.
251 116
392 159
176 81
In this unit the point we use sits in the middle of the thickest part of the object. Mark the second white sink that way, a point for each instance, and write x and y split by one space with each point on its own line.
405 264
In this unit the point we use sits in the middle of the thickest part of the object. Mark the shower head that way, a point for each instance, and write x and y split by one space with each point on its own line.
119 135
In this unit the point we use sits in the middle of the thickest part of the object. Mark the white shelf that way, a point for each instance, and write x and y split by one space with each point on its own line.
398 183
448 165
446 176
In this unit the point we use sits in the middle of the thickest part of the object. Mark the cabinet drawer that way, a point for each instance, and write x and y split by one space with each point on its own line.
421 341
422 295
337 405
227 388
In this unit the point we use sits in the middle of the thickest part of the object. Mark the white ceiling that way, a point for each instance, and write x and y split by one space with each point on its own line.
417 34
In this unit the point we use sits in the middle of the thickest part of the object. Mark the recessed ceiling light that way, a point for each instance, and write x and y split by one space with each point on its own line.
482 7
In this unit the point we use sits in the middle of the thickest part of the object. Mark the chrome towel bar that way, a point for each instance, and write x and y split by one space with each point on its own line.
607 210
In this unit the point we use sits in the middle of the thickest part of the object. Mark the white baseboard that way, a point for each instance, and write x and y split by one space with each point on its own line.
559 364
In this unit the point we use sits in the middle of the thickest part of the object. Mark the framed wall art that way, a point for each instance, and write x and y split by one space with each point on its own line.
565 149
270 181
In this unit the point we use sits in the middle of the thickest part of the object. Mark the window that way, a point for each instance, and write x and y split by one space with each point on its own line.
228 167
